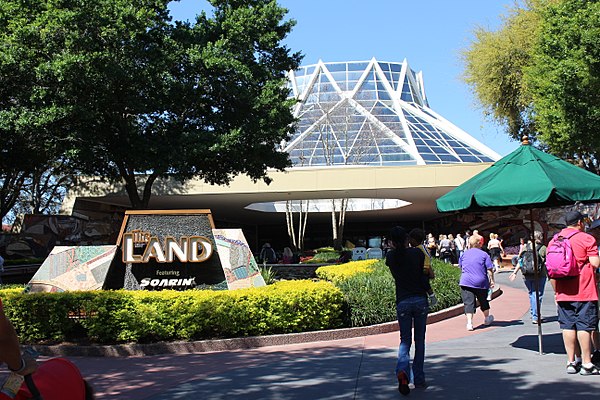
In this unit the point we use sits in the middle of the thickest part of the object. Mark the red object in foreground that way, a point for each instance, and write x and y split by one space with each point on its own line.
56 379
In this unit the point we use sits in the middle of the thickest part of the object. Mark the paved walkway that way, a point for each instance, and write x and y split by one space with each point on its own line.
497 362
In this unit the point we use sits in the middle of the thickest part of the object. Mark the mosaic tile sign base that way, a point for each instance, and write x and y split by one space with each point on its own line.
73 268
241 270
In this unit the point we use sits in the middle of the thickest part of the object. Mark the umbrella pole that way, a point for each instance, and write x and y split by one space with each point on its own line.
536 277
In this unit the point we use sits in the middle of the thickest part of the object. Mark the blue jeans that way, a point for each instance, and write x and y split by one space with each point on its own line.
412 313
530 283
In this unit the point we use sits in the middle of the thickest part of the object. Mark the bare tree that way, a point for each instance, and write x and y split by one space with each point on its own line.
339 136
11 184
42 191
297 240
338 206
344 136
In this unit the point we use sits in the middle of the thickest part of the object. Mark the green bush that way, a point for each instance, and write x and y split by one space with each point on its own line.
327 249
370 291
268 274
18 286
335 273
370 296
323 257
149 316
360 293
445 285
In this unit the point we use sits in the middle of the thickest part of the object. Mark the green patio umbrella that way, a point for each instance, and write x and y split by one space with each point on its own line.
526 178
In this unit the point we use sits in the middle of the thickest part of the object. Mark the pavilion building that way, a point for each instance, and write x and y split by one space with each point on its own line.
365 133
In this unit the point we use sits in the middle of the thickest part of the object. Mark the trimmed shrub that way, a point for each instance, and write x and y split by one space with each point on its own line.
323 257
149 316
370 295
445 285
336 273
360 293
369 289
327 249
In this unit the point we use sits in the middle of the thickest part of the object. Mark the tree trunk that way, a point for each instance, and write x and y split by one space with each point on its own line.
10 191
341 223
337 222
289 218
300 225
297 240
303 219
334 225
130 178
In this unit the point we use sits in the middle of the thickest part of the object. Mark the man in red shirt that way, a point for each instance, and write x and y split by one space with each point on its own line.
577 298
594 230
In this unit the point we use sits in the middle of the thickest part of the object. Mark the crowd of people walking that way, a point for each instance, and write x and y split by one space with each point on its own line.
449 248
576 294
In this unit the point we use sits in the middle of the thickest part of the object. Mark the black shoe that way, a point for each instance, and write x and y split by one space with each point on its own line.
596 358
573 368
403 383
593 370
422 385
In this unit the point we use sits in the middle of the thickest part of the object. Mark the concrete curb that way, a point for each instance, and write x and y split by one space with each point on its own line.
205 346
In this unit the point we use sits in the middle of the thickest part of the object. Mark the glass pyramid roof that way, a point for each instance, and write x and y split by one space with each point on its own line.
372 113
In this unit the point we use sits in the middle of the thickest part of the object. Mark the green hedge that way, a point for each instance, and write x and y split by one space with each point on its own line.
340 272
144 316
360 293
369 290
445 285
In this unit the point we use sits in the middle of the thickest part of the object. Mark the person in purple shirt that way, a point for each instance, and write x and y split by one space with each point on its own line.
477 276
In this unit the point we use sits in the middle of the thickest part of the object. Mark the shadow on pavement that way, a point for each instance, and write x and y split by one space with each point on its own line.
340 373
551 343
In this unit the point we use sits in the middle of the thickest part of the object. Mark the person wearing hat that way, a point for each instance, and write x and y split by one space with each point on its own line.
267 254
577 298
594 230
529 278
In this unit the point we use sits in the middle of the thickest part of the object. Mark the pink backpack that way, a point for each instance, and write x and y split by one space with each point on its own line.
560 259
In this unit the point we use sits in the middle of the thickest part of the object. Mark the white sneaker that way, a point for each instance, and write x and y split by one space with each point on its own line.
469 327
489 319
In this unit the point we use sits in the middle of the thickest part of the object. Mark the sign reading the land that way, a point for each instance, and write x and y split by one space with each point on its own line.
165 249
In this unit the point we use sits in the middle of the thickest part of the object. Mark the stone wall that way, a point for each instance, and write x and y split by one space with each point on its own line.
295 271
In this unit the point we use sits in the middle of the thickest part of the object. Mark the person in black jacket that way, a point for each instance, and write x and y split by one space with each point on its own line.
406 266
267 254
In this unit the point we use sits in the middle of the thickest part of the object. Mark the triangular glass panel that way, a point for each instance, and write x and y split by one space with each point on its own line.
406 94
385 67
366 94
325 92
382 92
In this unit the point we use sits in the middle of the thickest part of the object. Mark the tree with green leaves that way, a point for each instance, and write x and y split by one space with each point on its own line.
138 97
539 75
494 66
29 121
564 80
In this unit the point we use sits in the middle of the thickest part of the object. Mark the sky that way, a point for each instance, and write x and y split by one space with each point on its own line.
429 34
